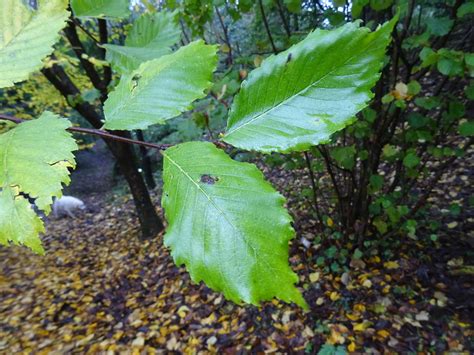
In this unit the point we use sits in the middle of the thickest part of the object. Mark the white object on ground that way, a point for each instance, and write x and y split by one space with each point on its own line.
66 205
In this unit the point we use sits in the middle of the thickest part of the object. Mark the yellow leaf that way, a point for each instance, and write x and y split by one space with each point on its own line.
314 277
329 222
209 319
138 342
182 311
257 61
320 301
351 347
360 327
334 296
452 225
367 283
225 48
87 299
336 337
383 333
400 92
391 265
353 316
359 307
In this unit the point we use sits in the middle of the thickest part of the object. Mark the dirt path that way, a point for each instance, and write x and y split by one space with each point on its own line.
94 172
93 178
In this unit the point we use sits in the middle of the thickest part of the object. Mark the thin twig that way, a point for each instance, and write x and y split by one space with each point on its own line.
78 24
313 183
97 132
104 37
226 34
267 28
286 26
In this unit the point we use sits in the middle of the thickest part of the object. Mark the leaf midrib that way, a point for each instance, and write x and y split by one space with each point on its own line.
7 145
100 4
22 29
201 190
121 106
294 95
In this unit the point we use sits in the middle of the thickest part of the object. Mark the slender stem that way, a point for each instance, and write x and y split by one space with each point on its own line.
226 34
183 29
99 133
104 37
286 26
267 28
327 161
313 183
64 84
76 44
78 24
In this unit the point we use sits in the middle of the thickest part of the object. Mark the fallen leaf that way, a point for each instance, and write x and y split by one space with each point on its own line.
391 265
422 316
314 277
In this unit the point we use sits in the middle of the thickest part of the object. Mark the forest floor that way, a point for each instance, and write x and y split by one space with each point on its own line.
99 288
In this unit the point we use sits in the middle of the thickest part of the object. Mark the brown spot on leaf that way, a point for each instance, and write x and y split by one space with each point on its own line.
208 179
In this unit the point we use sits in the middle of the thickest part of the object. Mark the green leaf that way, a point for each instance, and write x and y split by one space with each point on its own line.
369 114
411 160
162 88
358 254
357 7
428 102
417 120
151 37
466 129
27 36
428 57
439 26
36 167
466 9
450 62
19 224
338 3
376 182
344 156
300 97
414 87
379 5
329 349
227 225
293 5
100 8
470 91
380 225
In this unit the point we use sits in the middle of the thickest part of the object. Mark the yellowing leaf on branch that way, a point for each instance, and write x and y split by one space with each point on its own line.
401 92
27 36
36 168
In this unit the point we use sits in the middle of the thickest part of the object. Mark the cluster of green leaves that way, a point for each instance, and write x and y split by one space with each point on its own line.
226 223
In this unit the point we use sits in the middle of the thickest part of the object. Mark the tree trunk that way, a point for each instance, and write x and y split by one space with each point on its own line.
146 162
150 223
